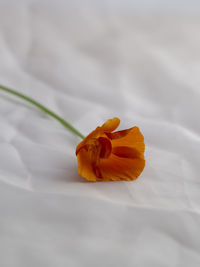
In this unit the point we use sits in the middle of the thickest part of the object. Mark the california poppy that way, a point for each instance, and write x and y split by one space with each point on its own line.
103 155
106 155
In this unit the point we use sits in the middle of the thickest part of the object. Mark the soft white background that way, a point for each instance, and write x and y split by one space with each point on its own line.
90 61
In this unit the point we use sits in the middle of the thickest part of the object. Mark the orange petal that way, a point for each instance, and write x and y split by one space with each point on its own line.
133 139
118 134
81 147
110 125
97 171
126 152
116 168
85 167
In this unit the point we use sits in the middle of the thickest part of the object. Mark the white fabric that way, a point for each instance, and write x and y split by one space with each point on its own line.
90 61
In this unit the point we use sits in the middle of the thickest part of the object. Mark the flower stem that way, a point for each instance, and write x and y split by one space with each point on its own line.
43 108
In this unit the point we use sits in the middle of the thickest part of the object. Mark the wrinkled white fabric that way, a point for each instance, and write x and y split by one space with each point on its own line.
90 61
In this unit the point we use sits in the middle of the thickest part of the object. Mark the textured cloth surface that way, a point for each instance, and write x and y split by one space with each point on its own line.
90 62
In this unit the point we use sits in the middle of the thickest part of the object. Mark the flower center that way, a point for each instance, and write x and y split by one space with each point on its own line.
105 147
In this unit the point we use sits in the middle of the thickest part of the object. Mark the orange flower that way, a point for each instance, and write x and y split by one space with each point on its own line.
106 155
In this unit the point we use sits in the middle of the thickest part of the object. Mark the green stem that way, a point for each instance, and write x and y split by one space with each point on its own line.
43 108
